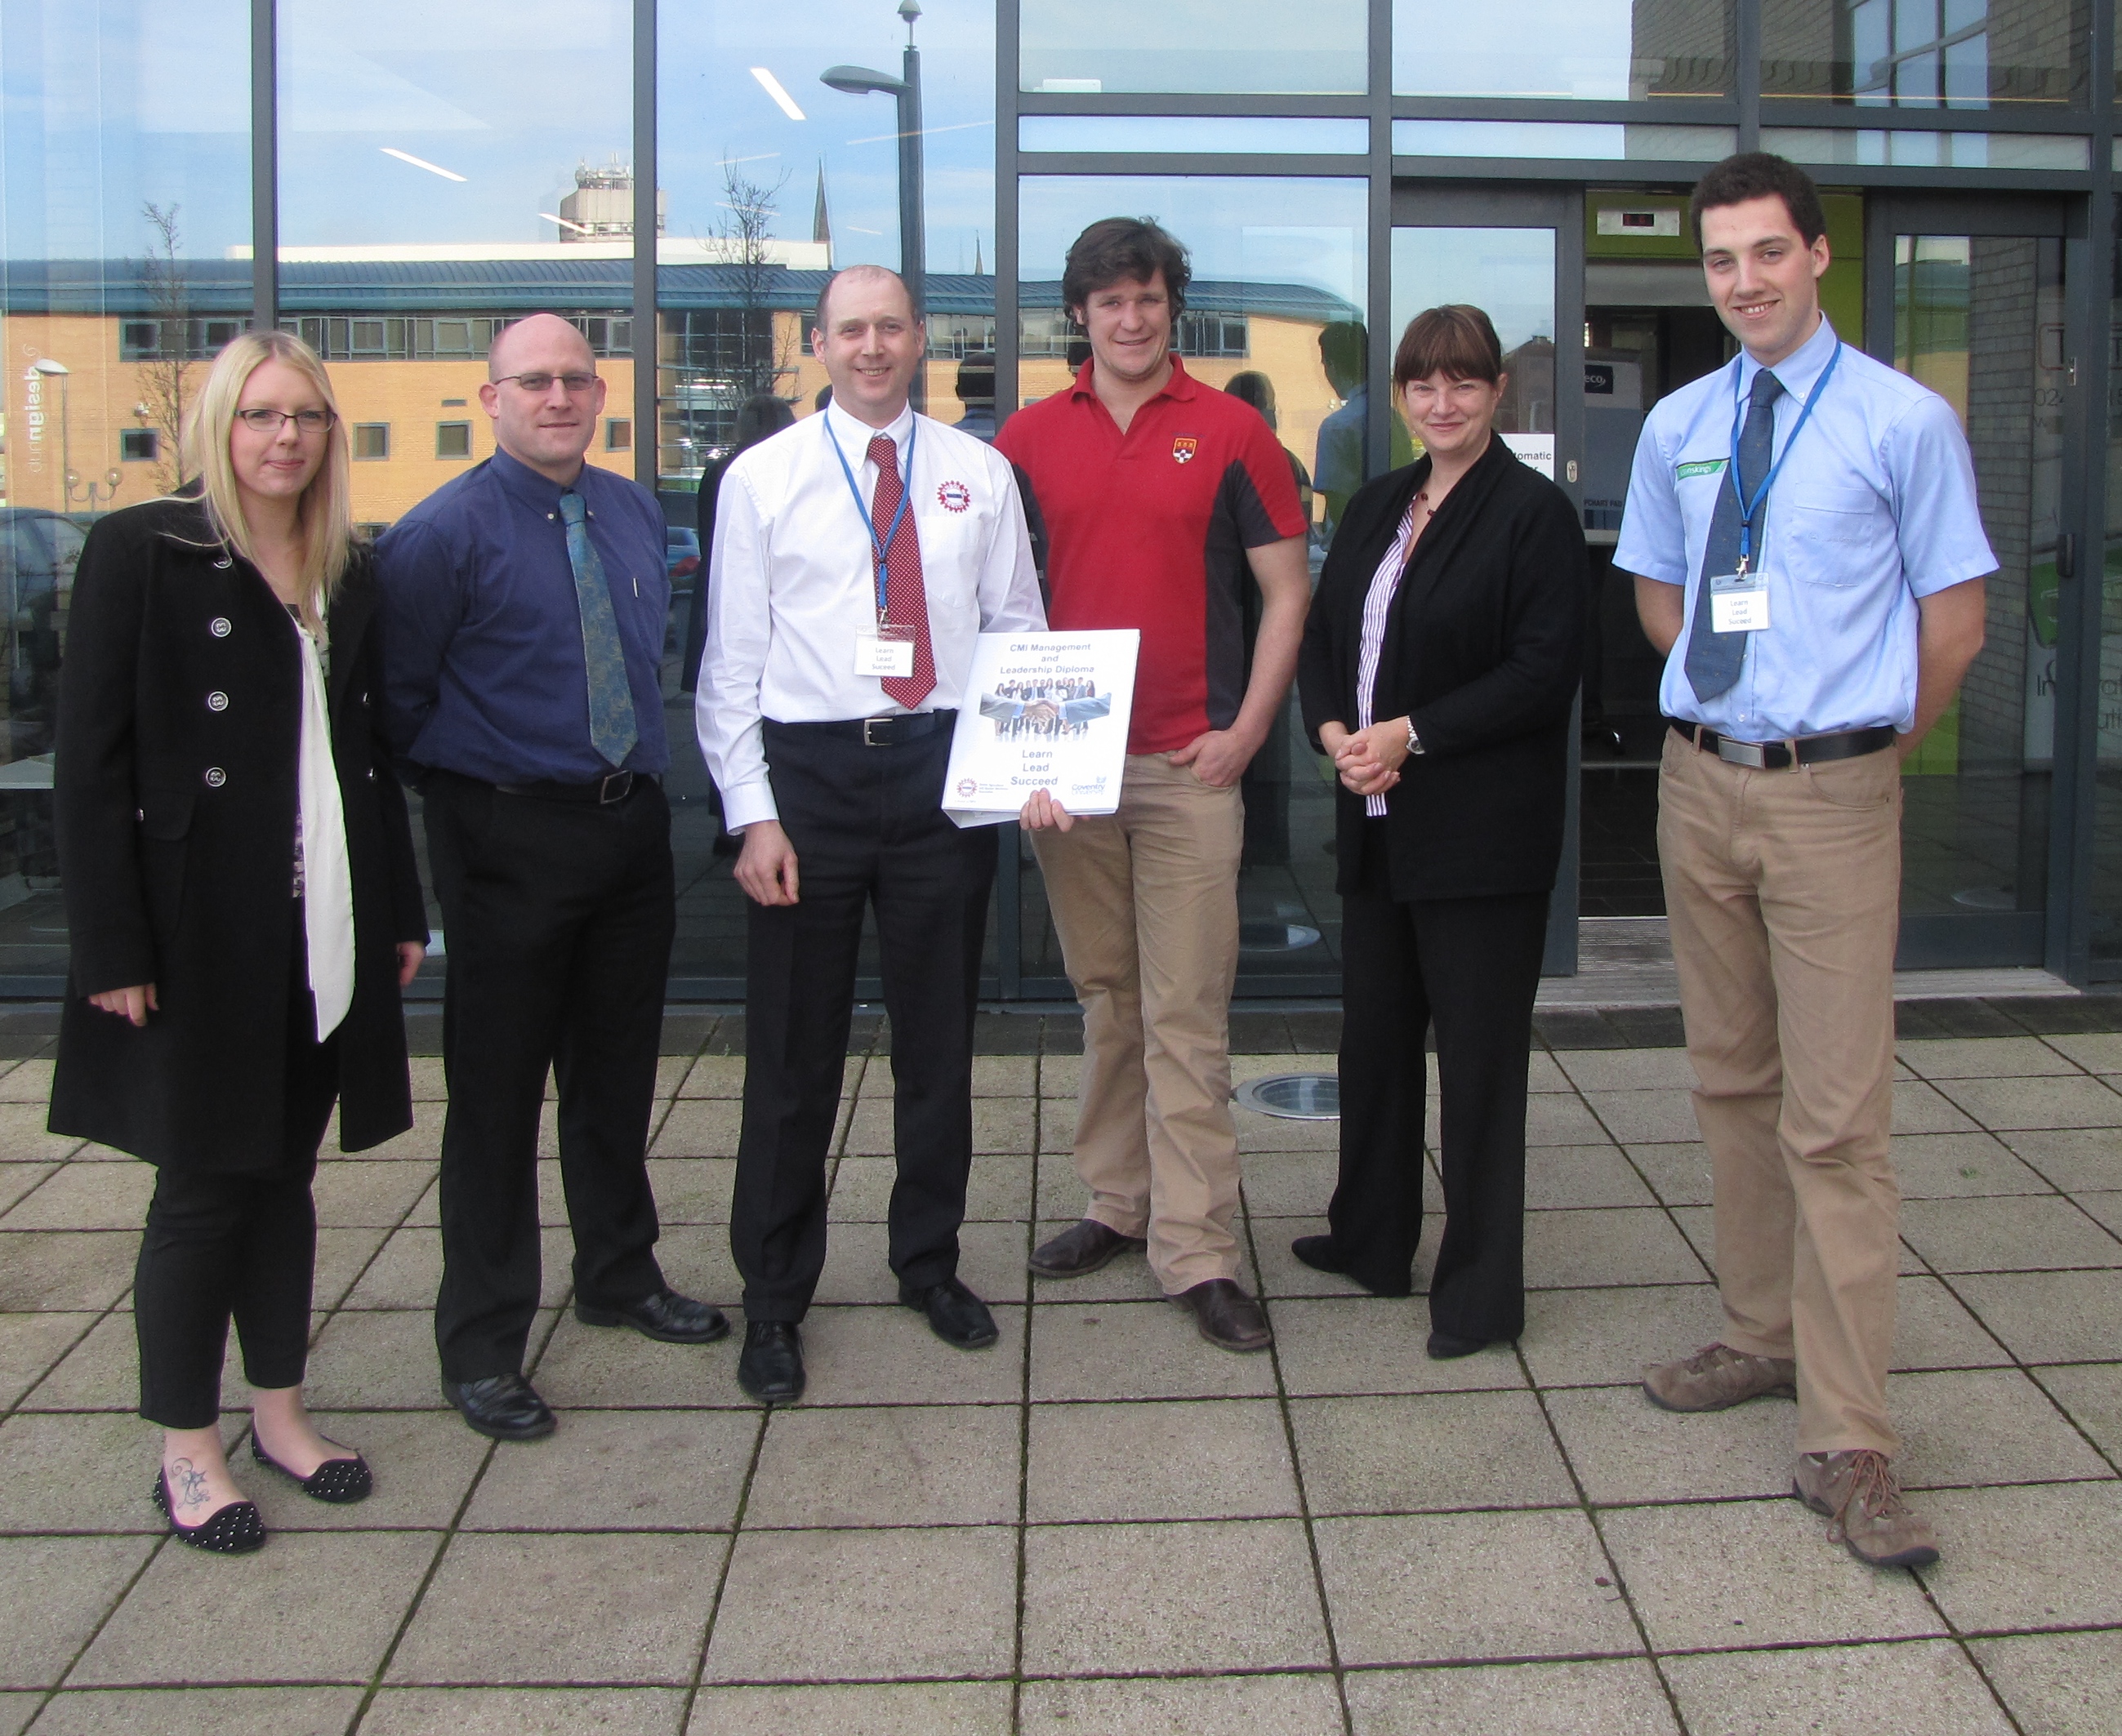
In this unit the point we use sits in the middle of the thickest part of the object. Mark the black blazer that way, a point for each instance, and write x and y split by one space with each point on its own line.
180 717
1484 648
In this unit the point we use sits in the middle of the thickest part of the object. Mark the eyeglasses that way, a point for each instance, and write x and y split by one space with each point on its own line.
271 421
534 383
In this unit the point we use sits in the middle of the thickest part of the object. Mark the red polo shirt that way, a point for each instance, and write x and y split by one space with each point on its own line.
1149 529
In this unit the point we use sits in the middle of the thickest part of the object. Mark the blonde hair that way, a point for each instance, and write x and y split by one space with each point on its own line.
325 511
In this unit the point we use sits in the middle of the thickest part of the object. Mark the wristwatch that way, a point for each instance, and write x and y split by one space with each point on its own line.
1414 741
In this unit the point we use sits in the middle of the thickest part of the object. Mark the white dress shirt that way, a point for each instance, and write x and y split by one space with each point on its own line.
792 585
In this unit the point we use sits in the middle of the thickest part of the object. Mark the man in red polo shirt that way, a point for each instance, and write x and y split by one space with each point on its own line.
1162 498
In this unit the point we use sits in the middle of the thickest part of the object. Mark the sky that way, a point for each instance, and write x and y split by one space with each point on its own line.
112 103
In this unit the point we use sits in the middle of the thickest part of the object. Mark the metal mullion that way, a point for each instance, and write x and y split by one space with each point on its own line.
1603 171
1688 112
648 345
1222 106
264 164
1842 117
2074 789
1350 166
1746 50
1378 209
1009 857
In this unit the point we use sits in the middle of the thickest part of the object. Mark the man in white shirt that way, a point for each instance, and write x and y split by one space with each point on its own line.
843 608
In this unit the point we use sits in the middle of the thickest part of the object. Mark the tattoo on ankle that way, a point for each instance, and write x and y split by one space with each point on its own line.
188 1482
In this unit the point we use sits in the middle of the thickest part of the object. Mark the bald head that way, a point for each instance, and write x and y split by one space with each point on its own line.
539 333
875 278
543 395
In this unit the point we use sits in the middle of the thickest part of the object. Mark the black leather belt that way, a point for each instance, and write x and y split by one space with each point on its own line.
1780 756
604 792
880 732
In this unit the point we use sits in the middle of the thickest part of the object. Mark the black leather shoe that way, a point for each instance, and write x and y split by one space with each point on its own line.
956 1315
236 1529
341 1482
503 1406
1081 1249
1227 1318
1446 1347
1317 1252
771 1366
666 1317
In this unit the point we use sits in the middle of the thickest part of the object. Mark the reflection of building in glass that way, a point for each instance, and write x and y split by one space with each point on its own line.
1925 53
601 207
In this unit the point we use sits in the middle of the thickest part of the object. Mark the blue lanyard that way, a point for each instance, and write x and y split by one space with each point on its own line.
1749 509
881 551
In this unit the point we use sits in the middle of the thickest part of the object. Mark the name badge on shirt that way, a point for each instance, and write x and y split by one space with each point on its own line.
1738 603
886 653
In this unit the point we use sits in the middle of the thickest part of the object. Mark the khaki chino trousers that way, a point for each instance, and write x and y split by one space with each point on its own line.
1784 891
1145 902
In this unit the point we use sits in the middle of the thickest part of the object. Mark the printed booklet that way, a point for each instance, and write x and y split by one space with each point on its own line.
1042 712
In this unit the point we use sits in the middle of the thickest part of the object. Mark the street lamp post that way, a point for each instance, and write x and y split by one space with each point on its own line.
912 233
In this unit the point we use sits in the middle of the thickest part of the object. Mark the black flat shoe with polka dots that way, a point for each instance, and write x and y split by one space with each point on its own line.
236 1529
342 1482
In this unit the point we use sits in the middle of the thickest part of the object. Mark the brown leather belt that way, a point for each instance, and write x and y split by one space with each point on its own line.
1780 756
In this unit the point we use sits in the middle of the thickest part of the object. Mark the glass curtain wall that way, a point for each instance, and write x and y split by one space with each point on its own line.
776 178
124 224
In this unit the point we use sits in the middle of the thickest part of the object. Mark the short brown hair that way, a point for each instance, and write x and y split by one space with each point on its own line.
1123 249
1759 175
1457 340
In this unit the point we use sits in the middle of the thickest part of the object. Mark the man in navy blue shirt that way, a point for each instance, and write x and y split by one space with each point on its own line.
523 607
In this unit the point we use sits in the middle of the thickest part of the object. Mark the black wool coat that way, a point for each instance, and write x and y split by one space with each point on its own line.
1484 648
180 718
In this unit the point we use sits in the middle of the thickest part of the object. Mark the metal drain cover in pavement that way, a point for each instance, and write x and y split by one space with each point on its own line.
1294 1096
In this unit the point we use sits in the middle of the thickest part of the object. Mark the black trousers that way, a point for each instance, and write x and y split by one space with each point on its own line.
868 829
557 919
1473 966
239 1245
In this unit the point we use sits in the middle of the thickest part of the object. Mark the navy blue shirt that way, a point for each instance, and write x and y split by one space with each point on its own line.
484 673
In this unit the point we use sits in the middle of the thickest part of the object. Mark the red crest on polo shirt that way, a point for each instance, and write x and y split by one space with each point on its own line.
1184 446
955 496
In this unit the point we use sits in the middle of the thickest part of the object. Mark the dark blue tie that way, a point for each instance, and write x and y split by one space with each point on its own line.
1713 658
613 731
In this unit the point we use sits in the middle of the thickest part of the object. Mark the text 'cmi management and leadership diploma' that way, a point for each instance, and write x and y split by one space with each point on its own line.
1042 712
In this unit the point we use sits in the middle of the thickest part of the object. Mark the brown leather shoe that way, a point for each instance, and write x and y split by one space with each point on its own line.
1859 1492
1227 1318
1716 1377
1080 1249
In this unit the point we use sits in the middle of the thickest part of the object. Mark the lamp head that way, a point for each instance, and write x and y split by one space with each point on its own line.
45 365
861 80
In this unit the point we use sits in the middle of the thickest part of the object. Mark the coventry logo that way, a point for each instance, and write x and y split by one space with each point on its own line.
955 496
1184 447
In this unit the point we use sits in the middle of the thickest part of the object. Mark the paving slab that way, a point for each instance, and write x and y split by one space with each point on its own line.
1213 1706
1203 1459
1616 1697
1840 1690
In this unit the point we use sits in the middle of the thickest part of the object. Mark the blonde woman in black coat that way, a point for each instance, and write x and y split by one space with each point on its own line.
1439 664
243 905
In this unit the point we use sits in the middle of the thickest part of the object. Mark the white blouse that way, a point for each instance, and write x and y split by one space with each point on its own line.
1377 605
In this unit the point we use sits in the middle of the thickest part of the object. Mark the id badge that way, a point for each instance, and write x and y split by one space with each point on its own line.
886 653
1738 603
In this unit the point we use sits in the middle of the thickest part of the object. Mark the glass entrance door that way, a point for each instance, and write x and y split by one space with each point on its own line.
1967 297
1518 256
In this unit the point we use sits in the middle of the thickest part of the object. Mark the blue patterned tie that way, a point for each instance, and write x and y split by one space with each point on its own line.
612 730
1713 658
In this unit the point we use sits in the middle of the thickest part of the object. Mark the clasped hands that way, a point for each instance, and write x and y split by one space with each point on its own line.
1367 762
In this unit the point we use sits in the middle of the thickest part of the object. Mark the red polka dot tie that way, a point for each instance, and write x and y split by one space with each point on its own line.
906 597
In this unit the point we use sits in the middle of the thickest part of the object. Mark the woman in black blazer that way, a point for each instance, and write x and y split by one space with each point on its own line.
243 906
1440 662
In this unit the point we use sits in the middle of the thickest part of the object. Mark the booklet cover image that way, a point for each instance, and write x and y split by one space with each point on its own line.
1043 711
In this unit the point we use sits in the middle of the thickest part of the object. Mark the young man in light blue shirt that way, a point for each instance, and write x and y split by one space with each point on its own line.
1809 557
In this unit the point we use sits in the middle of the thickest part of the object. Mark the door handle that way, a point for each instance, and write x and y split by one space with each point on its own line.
2066 558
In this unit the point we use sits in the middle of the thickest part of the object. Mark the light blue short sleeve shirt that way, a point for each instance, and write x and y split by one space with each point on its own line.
1874 507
